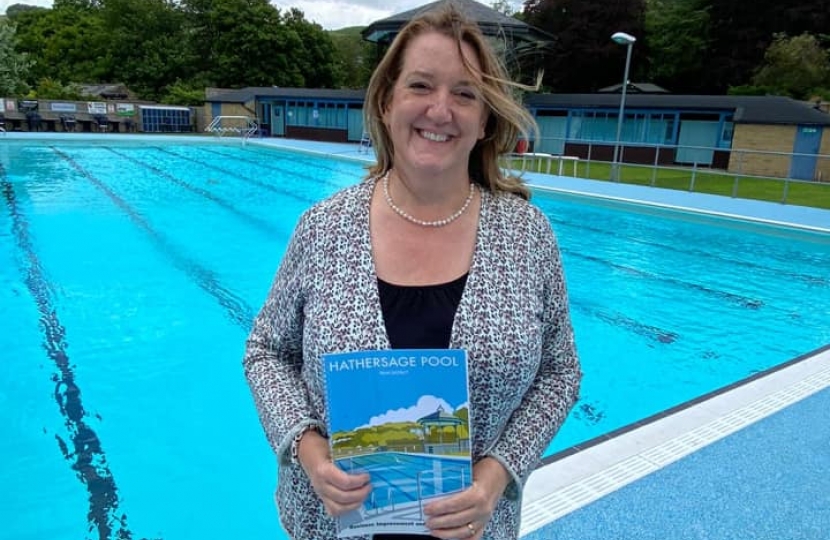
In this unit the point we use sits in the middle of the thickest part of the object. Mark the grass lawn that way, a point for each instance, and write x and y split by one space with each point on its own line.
815 194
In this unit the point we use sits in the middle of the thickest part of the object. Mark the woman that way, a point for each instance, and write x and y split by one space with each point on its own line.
436 248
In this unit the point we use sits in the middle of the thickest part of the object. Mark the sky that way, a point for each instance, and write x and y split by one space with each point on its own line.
330 14
411 385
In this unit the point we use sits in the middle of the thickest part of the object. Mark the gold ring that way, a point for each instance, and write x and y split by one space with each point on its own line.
471 529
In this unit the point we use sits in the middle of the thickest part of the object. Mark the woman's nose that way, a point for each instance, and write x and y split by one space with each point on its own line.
440 108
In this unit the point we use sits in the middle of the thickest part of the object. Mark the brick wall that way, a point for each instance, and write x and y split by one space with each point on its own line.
750 140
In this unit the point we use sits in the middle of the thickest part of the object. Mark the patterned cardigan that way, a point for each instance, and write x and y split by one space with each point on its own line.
512 319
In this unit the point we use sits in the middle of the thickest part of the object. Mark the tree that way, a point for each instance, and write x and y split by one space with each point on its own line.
236 43
795 66
51 89
583 57
144 45
677 32
67 45
14 65
742 30
77 4
353 57
16 9
180 93
316 56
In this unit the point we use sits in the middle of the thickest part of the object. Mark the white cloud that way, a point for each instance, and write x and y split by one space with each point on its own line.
330 14
334 14
426 405
4 4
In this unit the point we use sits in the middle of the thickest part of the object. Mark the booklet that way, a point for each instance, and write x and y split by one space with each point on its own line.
402 416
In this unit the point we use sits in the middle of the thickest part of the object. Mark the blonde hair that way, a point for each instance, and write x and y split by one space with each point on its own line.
507 118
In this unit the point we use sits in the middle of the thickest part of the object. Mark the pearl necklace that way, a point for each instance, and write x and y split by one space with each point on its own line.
438 222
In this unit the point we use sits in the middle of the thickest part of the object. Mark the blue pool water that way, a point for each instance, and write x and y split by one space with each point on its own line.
129 274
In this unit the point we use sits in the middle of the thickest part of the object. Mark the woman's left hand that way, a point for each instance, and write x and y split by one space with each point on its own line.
466 514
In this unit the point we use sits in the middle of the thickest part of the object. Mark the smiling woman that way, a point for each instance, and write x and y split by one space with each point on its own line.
437 248
435 116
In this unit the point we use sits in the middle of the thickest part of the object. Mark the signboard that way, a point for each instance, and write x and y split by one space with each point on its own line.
27 105
63 107
96 107
125 109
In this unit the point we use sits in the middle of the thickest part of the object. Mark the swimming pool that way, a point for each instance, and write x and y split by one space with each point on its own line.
400 478
129 273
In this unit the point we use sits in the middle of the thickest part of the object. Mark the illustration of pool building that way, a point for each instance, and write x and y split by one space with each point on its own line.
428 435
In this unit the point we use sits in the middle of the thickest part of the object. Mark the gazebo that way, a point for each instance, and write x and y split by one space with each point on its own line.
492 23
440 418
519 38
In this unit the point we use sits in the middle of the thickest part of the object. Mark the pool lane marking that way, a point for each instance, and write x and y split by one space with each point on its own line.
236 308
806 278
270 166
235 174
617 319
90 463
260 224
741 300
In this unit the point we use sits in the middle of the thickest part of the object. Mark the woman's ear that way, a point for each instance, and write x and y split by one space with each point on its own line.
489 121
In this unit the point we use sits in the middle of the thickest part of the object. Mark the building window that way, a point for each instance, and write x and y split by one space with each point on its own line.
726 134
161 119
320 114
264 113
643 127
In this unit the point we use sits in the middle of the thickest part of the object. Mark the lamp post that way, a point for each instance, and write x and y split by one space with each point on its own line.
628 40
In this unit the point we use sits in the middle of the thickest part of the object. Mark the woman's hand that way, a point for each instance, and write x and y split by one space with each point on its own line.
339 491
466 514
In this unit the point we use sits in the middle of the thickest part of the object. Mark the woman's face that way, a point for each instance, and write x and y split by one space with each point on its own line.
436 115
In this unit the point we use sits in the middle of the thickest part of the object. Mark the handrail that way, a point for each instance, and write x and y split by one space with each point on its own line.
365 143
250 126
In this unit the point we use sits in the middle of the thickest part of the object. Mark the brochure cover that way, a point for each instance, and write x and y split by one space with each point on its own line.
402 416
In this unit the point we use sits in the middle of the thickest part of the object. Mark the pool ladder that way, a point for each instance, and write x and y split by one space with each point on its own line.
244 126
365 144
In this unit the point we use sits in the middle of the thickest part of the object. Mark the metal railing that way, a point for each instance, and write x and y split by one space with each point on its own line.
244 126
365 144
733 172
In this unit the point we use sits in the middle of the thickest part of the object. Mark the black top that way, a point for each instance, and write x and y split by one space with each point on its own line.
420 316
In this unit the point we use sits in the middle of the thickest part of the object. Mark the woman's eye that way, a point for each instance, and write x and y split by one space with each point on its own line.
467 94
418 86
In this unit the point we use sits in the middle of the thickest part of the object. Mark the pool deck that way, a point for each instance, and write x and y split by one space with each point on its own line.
749 462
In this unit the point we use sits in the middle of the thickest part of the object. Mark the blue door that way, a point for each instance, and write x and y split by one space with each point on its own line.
278 119
695 142
807 142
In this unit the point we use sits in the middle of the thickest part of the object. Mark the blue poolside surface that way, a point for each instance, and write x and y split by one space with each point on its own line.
130 268
769 481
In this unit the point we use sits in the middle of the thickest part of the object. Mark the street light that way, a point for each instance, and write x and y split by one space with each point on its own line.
621 38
